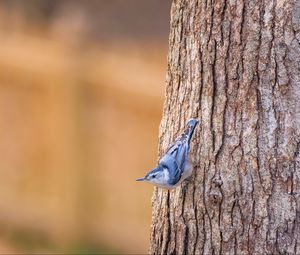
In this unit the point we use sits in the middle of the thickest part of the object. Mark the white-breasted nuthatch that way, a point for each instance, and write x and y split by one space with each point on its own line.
174 166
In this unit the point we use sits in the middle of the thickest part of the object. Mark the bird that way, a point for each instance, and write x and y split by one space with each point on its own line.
175 165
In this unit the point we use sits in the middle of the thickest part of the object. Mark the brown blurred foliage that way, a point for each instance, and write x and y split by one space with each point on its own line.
81 92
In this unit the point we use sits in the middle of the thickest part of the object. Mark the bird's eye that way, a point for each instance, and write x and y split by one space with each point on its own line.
153 176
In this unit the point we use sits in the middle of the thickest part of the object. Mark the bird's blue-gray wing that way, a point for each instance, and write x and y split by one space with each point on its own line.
175 159
177 154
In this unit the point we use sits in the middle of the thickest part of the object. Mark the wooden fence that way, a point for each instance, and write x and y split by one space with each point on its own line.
78 124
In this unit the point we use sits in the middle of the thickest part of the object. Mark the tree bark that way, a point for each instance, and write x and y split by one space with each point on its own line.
234 65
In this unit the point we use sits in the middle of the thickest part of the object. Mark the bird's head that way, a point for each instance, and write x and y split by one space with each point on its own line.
159 176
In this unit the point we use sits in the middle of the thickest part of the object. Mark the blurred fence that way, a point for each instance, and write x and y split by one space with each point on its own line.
78 124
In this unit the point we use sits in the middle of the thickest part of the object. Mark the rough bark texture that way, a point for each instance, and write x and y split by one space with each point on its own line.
235 66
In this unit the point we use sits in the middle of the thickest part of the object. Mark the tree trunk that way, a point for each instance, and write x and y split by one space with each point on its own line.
234 65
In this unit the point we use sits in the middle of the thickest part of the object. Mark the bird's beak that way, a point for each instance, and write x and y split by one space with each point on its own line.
141 179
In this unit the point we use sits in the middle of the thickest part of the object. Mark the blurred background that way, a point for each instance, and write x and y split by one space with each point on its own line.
81 94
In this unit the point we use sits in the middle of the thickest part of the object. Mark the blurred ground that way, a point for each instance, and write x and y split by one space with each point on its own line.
81 93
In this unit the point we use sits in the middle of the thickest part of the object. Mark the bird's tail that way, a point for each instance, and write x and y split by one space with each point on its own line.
191 125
